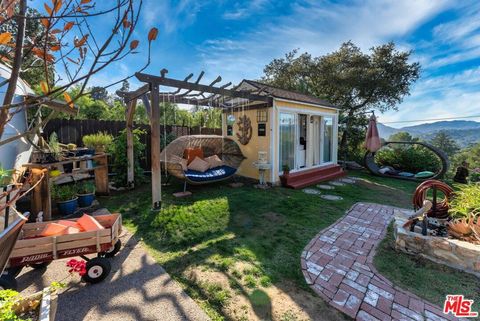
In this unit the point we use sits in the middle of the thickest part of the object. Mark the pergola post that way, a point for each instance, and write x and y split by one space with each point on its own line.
155 148
130 152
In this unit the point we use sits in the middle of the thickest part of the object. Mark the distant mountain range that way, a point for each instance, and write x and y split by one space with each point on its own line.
464 132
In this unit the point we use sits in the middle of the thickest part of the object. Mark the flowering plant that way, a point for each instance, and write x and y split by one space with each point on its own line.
77 266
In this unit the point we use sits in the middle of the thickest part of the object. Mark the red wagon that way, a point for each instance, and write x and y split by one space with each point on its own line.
38 252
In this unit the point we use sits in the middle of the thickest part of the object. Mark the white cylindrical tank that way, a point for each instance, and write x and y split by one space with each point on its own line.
17 152
14 154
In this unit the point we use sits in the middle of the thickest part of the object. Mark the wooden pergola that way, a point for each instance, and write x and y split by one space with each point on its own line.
185 92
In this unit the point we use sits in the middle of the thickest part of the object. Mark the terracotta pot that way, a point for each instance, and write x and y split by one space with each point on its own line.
99 149
284 179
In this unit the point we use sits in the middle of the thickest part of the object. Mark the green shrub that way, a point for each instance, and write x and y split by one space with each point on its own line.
120 161
166 139
62 193
99 141
466 202
181 224
8 298
411 159
85 187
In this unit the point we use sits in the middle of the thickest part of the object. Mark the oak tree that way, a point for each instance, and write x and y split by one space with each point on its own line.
353 80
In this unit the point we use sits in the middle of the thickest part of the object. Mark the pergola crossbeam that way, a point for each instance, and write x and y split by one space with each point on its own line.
169 82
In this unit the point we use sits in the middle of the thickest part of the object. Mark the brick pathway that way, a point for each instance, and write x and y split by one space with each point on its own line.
337 264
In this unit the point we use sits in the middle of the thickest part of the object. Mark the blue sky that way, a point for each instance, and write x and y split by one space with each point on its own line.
235 39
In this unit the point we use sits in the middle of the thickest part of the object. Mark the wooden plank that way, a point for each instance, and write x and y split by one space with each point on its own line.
101 176
108 220
82 243
33 242
36 201
130 151
70 160
155 149
25 251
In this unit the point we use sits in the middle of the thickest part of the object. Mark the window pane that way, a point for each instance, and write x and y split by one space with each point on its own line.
287 140
327 139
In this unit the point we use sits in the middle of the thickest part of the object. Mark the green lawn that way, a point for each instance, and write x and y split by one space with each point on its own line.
237 250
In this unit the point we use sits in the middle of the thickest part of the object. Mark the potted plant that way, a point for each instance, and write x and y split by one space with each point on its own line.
66 198
54 150
286 174
85 194
98 141
38 306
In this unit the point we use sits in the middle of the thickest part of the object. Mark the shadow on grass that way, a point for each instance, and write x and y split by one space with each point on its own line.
267 229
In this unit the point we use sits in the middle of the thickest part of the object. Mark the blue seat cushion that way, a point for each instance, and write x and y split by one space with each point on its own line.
212 174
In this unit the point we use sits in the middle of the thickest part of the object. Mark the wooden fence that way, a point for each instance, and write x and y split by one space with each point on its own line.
72 131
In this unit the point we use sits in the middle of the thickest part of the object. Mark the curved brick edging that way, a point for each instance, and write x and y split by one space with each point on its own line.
337 264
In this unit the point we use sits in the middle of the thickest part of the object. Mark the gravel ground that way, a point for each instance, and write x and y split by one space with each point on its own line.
136 289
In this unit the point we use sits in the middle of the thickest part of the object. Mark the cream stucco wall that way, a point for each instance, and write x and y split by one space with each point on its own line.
256 143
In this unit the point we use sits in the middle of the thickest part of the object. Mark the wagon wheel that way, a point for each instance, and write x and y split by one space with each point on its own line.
112 251
41 265
8 282
97 270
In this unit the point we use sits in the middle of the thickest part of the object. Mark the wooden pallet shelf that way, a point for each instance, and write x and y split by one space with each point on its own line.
41 199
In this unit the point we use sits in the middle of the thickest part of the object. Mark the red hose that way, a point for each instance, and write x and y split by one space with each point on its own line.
441 208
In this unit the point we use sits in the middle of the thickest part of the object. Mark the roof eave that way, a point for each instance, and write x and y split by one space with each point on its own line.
307 103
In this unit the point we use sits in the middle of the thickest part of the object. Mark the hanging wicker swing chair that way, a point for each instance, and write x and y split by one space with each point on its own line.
369 161
223 147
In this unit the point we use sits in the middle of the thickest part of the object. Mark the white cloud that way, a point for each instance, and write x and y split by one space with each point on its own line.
452 95
243 10
171 15
316 27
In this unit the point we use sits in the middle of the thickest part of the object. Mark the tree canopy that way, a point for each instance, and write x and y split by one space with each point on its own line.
402 137
349 78
444 142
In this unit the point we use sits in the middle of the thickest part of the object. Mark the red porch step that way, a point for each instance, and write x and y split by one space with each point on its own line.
314 176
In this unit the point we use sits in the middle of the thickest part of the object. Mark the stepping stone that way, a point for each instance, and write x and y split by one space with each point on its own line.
182 194
236 185
325 187
347 180
331 197
336 183
311 191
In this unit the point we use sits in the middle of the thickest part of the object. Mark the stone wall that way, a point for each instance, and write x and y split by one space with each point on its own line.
454 253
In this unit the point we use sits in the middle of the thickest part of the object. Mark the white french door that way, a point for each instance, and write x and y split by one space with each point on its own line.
287 140
320 147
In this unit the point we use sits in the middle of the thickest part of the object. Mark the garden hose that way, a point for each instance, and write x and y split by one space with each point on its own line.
439 208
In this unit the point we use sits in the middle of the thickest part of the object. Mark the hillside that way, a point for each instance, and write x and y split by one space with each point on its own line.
464 132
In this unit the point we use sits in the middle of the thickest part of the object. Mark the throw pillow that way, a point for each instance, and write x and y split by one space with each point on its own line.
424 174
191 153
198 165
214 161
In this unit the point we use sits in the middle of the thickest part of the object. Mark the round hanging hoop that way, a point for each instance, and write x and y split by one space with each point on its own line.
369 160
